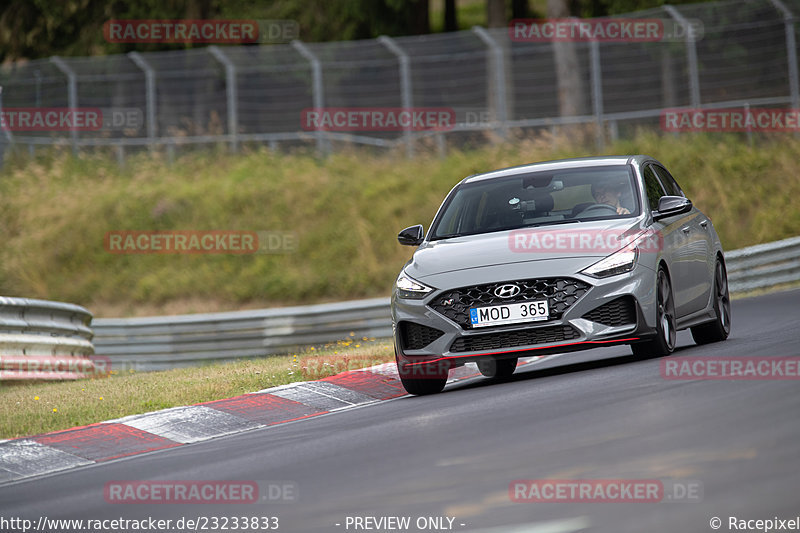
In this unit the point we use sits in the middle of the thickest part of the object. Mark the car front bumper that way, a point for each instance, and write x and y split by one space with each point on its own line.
458 344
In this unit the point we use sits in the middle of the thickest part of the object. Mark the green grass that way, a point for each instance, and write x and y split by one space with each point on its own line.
345 211
35 408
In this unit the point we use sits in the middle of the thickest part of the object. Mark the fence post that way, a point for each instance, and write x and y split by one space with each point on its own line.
231 93
72 96
6 135
317 89
597 95
498 61
791 51
405 86
37 74
150 94
691 55
120 150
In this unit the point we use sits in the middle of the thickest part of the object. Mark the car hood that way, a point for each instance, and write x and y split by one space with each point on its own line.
539 247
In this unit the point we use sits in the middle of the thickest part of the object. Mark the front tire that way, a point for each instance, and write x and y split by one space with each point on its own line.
497 368
432 382
720 328
666 332
423 386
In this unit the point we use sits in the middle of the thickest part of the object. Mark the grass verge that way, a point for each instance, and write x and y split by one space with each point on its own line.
345 211
34 408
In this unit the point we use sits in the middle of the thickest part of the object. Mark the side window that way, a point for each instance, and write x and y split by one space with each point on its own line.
652 187
669 183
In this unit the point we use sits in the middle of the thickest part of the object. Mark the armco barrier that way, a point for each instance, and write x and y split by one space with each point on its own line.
158 343
44 340
764 265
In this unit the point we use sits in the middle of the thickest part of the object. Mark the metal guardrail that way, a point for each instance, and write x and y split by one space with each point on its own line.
40 339
764 265
158 343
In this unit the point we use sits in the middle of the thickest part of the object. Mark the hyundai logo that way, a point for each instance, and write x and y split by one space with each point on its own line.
507 291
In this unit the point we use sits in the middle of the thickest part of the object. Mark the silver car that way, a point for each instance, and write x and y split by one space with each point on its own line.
555 257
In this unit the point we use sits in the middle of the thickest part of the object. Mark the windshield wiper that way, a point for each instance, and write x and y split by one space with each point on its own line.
552 223
496 230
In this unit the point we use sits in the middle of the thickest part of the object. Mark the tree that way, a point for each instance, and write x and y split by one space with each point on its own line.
520 9
33 29
565 55
496 13
450 16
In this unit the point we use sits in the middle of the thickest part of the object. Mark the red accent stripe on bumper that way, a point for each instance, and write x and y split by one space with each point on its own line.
522 350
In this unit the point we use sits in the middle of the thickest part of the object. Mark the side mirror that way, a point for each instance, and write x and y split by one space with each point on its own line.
411 236
672 205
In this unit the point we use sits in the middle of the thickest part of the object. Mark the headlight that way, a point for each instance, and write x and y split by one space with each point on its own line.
410 288
617 263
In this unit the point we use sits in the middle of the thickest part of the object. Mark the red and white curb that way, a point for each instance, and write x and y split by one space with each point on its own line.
104 441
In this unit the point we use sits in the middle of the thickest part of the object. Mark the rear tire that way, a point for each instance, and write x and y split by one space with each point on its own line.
720 328
497 368
666 333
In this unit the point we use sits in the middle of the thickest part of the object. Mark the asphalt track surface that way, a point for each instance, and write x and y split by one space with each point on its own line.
599 414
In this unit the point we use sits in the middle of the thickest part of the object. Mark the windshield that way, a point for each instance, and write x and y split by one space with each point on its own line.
538 199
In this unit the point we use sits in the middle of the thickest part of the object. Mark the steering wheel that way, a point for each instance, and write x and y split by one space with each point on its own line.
595 209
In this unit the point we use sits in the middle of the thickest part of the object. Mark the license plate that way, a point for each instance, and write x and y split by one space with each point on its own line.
515 313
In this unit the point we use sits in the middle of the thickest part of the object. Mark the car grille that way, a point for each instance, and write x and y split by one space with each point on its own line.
512 339
416 336
561 293
619 312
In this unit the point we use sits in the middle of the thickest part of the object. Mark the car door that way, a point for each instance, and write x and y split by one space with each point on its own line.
697 247
673 237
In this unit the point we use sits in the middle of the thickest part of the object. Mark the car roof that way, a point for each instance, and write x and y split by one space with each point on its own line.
561 164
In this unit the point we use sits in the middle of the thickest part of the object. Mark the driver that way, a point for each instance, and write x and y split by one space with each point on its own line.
609 195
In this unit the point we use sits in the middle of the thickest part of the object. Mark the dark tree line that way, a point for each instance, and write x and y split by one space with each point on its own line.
31 29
